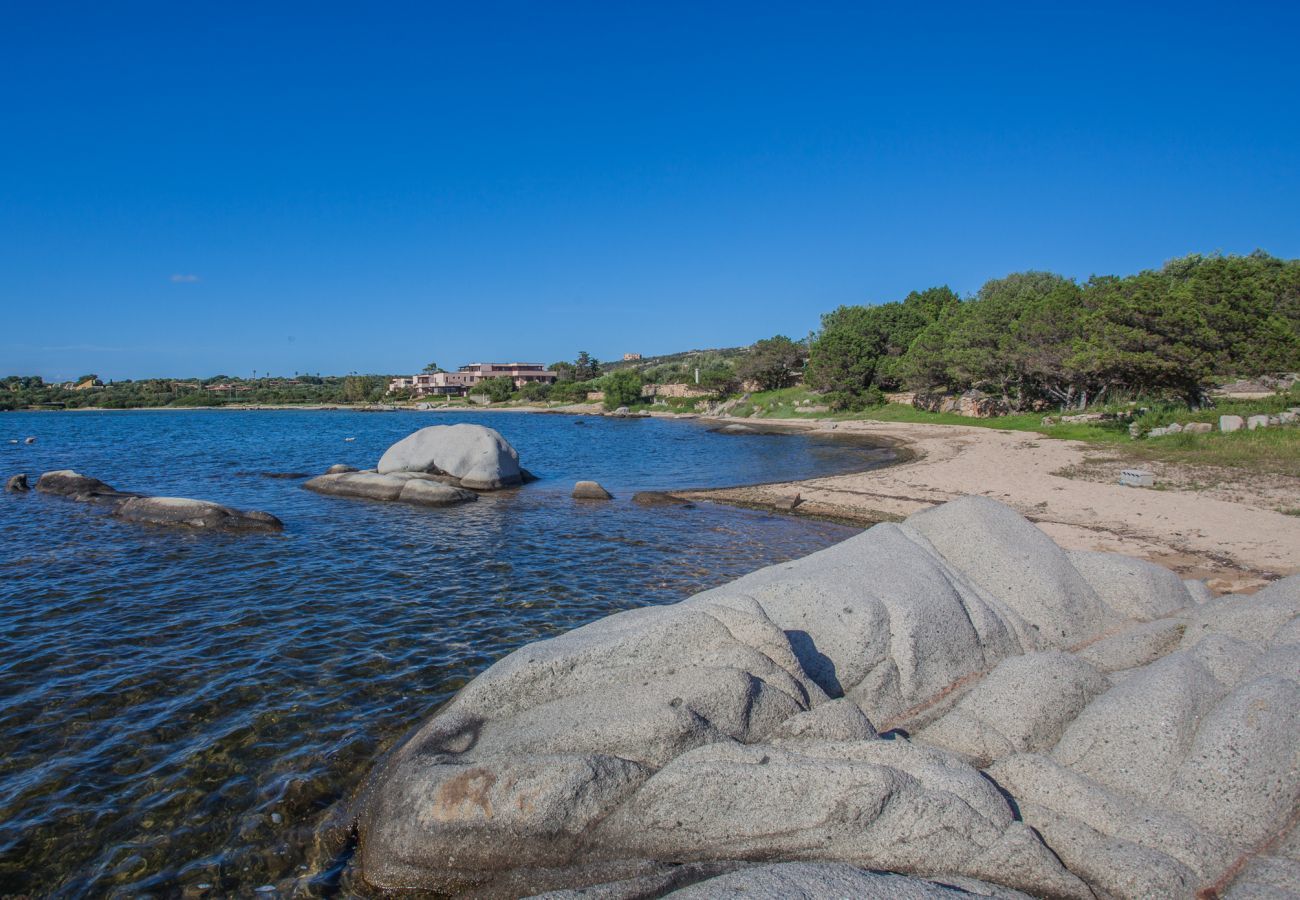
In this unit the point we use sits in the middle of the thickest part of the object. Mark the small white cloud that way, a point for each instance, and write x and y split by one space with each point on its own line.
184 279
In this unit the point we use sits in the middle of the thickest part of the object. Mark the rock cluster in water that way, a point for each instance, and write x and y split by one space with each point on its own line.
441 465
953 698
173 511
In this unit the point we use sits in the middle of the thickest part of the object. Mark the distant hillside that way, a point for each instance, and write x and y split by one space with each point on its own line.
671 367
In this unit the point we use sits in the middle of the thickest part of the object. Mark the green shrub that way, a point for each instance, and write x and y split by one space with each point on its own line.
622 388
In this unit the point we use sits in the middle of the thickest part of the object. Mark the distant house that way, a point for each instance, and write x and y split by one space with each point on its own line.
629 357
454 384
89 385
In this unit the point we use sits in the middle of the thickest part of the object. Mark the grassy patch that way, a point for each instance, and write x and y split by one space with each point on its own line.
1265 450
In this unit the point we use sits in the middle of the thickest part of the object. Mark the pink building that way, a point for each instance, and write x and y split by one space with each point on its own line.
460 381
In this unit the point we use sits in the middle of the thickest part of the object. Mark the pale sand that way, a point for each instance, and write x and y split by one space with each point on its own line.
1235 544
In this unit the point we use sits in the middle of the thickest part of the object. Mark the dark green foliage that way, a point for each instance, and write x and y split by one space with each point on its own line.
535 390
773 363
1035 337
586 367
498 390
622 388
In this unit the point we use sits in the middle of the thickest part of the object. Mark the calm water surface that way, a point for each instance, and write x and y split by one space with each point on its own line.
179 712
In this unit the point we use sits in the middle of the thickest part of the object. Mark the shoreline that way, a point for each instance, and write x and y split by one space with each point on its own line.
1234 544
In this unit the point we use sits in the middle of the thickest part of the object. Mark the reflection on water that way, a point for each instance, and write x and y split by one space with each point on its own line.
179 710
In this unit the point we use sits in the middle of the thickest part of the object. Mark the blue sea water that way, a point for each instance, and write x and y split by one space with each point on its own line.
179 712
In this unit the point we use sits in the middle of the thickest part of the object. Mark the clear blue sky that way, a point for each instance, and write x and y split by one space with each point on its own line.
193 189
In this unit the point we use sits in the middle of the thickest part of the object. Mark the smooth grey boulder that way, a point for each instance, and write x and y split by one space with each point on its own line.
1231 423
680 747
17 484
433 493
477 457
1020 565
590 490
200 514
883 620
1132 587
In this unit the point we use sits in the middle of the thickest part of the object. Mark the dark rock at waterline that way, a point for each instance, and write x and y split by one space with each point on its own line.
289 476
67 483
736 429
17 484
172 511
590 490
526 477
416 488
202 514
340 469
659 498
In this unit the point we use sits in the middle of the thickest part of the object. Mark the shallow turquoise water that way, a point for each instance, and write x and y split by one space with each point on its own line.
180 710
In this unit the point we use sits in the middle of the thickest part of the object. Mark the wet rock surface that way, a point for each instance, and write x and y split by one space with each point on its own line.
170 511
953 699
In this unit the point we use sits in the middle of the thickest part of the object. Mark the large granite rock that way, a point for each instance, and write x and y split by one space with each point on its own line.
1079 727
171 511
475 456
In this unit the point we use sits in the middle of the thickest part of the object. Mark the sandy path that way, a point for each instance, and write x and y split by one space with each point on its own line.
1233 544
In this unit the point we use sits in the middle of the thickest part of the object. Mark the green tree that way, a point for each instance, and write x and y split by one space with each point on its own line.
773 363
431 369
498 390
622 388
586 367
563 371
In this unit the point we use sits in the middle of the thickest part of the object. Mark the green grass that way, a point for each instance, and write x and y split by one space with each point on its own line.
1266 450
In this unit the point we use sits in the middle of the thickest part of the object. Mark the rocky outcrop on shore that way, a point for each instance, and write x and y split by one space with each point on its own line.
470 456
170 511
952 698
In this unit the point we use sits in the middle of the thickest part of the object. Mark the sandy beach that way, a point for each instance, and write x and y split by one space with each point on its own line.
1230 534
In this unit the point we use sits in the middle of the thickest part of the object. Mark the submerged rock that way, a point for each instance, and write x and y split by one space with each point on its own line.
175 511
474 456
590 490
67 483
17 484
659 498
195 514
1060 745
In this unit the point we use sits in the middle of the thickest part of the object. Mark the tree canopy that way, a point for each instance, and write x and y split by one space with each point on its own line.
1037 336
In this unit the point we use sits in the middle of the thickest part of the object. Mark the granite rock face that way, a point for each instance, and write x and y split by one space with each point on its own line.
953 699
474 456
170 511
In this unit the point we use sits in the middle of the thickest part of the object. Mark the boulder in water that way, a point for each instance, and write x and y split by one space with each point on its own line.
17 484
403 487
590 490
475 456
201 514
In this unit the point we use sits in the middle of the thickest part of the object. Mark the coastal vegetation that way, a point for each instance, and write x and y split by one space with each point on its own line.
1034 340
32 392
